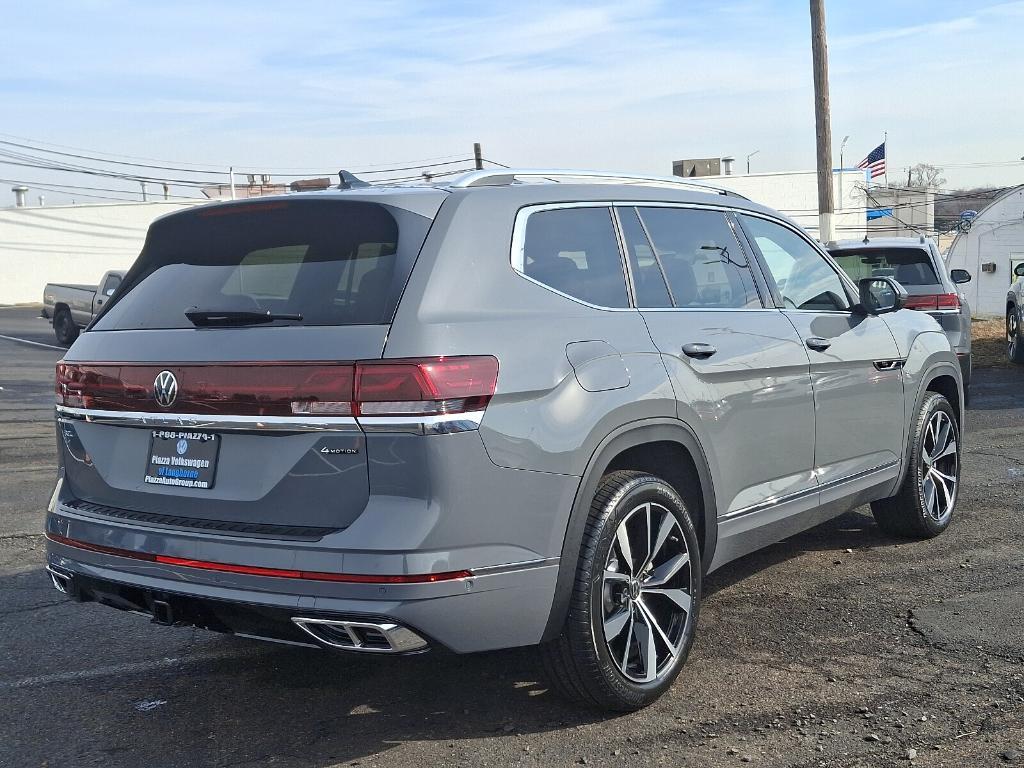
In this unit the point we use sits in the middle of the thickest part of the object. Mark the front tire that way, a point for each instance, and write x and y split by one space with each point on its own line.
923 506
633 612
1014 338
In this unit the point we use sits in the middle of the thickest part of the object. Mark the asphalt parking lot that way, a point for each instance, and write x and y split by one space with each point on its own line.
839 647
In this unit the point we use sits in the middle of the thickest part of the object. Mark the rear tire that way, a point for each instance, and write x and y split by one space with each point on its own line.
923 506
633 612
1014 338
64 327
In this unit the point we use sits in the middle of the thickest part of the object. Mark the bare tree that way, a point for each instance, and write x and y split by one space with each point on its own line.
925 175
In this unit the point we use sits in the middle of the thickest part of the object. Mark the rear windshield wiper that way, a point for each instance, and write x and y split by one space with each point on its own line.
206 317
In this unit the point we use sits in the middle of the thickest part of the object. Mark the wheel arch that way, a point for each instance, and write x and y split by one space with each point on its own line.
941 376
666 448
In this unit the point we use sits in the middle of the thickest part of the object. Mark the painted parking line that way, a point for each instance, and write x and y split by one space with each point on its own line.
33 343
112 670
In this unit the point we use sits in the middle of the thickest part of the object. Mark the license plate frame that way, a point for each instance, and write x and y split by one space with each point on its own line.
182 458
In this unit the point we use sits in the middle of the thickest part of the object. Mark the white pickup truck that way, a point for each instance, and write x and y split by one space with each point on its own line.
72 307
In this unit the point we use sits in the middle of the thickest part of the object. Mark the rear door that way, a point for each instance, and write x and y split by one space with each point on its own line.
738 367
855 365
239 422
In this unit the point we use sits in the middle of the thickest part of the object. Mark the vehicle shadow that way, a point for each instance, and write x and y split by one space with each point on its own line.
855 530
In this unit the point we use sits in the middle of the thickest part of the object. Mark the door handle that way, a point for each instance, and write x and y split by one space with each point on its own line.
699 351
818 344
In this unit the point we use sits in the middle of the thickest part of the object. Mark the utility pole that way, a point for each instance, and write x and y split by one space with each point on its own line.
231 177
143 190
819 55
478 157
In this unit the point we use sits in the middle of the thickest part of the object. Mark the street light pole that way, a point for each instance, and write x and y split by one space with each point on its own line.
841 168
756 151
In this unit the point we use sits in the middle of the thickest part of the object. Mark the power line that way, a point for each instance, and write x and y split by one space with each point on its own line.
39 146
48 185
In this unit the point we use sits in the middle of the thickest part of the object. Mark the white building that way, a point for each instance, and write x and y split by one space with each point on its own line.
795 193
989 251
70 244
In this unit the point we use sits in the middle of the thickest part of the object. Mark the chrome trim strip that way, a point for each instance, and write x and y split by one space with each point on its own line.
442 424
796 495
525 565
195 420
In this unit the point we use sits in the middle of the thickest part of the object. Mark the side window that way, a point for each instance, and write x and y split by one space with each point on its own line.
648 279
703 262
575 251
110 284
804 278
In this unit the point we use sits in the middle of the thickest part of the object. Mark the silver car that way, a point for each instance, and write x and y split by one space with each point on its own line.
524 408
914 262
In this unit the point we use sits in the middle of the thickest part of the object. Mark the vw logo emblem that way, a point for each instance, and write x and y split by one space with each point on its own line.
165 389
182 446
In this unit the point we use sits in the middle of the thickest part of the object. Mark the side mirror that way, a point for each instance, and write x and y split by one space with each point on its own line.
1019 270
879 295
959 276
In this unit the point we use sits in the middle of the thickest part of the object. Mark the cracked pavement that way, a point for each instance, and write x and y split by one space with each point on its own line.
838 647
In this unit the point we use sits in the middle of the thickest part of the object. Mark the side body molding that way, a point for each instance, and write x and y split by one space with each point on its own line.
623 438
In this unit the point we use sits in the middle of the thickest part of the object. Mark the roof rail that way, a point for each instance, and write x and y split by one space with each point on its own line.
497 177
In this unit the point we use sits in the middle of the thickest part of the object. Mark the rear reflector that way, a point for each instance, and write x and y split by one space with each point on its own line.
933 301
252 570
420 386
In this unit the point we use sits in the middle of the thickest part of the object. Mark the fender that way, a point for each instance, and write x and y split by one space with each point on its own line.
929 358
627 436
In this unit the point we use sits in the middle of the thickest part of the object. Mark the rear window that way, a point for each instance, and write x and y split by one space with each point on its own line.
334 262
908 266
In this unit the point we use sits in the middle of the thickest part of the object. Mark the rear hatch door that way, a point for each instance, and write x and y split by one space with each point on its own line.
213 391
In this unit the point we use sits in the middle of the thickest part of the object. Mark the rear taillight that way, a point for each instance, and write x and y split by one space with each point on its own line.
431 386
426 386
933 301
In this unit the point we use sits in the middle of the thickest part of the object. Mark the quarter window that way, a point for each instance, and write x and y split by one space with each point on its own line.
701 258
575 251
804 278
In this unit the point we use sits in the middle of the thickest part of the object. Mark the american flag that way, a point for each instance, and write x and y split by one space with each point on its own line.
875 161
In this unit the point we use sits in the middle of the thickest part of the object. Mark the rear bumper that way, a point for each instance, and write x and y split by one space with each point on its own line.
497 607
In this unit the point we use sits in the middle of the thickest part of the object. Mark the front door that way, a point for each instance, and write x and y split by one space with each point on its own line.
738 368
854 363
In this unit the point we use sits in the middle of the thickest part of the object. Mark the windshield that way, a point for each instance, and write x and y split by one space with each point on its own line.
910 267
308 262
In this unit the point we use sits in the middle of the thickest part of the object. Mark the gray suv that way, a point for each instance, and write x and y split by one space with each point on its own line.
522 408
915 263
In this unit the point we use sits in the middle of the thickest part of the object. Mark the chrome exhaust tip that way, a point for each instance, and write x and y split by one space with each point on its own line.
368 637
61 581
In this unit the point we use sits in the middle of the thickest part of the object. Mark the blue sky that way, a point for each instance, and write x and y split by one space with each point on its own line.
620 85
